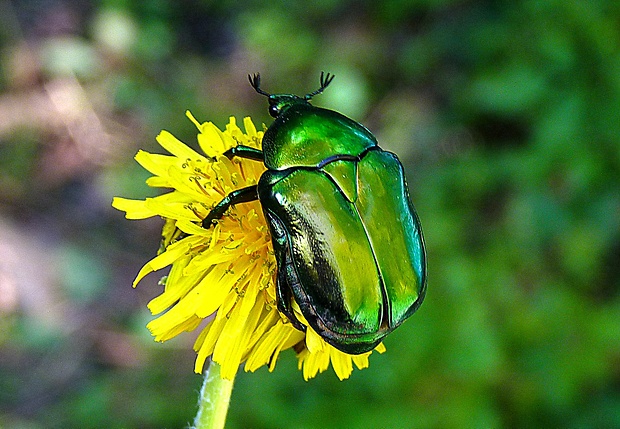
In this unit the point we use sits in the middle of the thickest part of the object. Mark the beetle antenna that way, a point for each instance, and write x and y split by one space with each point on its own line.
326 79
255 82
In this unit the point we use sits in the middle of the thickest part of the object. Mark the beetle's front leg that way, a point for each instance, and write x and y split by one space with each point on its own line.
245 152
243 195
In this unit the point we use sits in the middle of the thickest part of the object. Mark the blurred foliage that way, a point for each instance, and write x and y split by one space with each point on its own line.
505 114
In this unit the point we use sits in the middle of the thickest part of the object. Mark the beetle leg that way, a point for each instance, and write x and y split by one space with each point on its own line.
243 195
284 293
286 270
284 296
245 152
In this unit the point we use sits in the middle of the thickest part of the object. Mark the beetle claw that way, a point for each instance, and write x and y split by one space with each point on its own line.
208 221
255 82
325 80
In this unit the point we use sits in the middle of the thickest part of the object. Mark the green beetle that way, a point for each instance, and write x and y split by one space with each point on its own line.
347 240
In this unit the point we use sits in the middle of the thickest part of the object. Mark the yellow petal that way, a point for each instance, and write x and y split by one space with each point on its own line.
171 210
172 253
229 351
250 129
158 182
270 344
134 209
177 286
342 364
191 228
361 361
211 140
176 147
193 119
155 163
314 342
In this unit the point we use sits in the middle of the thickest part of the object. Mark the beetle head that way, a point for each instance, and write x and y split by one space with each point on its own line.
280 102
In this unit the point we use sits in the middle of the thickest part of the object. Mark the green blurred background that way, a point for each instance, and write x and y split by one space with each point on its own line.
506 115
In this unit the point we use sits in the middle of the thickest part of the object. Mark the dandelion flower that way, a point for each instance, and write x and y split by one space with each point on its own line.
222 278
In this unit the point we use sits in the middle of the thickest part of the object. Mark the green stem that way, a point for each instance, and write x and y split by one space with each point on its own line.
214 400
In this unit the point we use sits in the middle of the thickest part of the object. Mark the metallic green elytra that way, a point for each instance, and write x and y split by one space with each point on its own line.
347 240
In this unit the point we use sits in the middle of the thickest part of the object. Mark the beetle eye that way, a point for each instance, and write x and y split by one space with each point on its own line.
274 110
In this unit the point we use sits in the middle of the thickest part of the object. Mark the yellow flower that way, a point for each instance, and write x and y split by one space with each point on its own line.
223 275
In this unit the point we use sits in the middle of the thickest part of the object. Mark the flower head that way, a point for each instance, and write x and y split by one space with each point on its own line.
223 275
